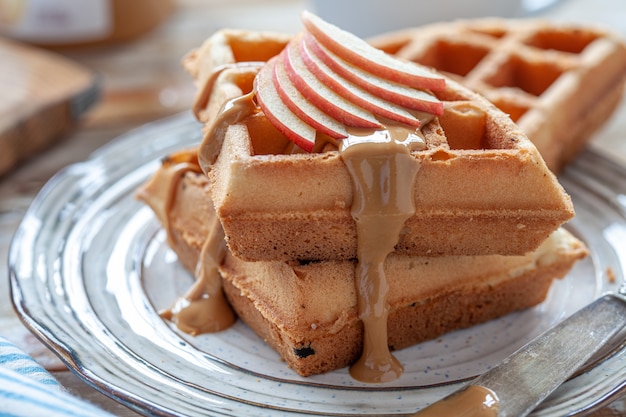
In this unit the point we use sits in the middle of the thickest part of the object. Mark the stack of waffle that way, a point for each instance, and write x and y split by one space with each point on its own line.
485 239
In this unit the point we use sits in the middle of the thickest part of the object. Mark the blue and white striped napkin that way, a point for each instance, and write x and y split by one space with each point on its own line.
28 390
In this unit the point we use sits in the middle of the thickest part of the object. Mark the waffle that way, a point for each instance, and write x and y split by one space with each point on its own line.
307 311
559 82
474 235
482 187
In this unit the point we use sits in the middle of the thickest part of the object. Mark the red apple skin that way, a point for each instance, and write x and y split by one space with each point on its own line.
354 93
302 107
358 52
327 80
278 113
398 94
320 95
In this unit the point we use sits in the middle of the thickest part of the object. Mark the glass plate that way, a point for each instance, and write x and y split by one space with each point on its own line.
89 268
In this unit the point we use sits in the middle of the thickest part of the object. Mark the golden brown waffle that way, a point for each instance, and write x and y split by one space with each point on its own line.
485 239
307 311
482 187
559 82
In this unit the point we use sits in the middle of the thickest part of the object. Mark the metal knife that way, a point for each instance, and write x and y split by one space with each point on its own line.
517 385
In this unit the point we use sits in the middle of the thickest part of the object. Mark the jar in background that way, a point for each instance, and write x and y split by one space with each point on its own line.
76 23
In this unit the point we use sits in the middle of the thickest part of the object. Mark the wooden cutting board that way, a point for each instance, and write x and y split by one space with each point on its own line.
42 95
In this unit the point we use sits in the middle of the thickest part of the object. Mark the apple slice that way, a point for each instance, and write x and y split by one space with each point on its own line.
278 113
320 95
396 93
358 52
302 107
352 92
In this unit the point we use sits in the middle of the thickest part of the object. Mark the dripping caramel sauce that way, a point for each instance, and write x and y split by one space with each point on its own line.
203 308
383 173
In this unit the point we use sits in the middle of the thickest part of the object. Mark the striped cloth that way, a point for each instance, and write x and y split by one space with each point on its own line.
28 390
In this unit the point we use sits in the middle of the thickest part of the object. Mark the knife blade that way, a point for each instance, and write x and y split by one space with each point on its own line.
522 381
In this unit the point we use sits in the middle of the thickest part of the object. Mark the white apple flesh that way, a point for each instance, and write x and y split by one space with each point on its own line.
329 81
302 107
321 95
294 128
354 93
358 52
396 93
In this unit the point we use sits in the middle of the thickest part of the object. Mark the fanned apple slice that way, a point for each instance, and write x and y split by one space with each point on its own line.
302 107
278 113
320 95
396 93
360 53
353 92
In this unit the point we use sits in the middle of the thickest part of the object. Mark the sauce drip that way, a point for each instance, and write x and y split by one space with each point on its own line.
233 111
204 308
472 401
160 191
383 174
207 88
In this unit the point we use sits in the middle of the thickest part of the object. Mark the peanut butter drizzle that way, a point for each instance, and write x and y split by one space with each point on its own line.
233 111
203 308
383 174
159 192
472 401
202 98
